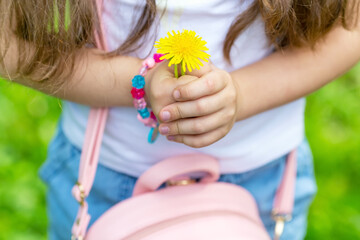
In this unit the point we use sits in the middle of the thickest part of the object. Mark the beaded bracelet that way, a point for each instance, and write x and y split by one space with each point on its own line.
138 83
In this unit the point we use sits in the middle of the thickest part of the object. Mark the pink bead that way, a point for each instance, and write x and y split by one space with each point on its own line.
137 93
149 122
152 123
157 57
143 120
139 103
149 62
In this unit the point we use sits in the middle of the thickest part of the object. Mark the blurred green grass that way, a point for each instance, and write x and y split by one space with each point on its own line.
28 121
333 130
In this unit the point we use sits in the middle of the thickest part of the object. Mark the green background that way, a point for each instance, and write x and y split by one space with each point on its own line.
28 120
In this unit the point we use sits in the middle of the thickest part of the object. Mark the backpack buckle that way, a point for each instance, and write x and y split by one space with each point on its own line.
180 182
280 220
78 192
76 238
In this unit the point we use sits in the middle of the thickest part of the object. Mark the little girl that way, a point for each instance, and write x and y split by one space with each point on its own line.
246 108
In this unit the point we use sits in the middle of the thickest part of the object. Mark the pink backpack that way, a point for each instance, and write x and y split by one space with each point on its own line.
185 209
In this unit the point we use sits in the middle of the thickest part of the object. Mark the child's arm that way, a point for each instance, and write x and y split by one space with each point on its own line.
276 80
97 81
285 76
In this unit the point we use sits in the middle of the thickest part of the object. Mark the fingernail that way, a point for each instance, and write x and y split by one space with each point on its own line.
164 130
165 116
176 94
171 138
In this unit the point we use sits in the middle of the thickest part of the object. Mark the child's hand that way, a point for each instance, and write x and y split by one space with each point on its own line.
160 84
205 109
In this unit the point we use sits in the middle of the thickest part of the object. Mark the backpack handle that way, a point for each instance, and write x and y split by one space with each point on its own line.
177 166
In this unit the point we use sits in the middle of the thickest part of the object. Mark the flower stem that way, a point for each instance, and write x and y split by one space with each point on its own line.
182 70
176 71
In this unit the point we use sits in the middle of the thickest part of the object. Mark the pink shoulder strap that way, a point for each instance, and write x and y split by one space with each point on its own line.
90 151
284 199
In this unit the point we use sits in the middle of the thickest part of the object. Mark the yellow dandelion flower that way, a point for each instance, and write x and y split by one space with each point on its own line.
185 48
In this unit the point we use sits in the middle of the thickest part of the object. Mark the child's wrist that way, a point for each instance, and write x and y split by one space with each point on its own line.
148 81
243 109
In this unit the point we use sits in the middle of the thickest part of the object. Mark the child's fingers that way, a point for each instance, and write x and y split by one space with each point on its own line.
208 84
193 126
189 109
202 140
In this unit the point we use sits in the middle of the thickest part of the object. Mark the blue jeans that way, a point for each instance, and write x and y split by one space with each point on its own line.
60 173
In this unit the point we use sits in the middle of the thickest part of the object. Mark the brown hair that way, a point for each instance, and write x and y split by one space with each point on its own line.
294 23
58 40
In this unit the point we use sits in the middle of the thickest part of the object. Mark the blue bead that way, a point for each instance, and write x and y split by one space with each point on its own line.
138 82
144 113
153 134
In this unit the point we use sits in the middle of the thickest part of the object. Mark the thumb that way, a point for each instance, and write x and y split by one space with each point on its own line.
208 67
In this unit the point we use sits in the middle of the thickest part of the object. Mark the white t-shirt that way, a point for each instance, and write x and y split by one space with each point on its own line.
250 144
